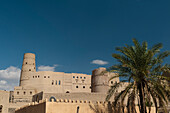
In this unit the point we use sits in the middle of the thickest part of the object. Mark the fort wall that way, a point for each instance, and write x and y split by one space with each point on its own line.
4 101
36 86
74 96
101 82
69 106
60 106
28 67
52 82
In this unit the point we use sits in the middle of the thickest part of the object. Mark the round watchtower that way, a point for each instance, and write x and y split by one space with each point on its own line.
99 81
28 67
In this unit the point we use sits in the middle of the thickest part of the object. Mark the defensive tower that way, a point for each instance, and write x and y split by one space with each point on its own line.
99 81
28 67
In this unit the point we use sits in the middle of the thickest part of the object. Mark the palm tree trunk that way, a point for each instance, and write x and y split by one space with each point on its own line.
142 98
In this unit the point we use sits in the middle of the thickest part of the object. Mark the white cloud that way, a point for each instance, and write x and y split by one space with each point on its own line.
99 62
10 73
9 78
47 68
8 86
2 82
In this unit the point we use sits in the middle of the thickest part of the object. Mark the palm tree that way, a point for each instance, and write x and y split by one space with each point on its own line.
142 68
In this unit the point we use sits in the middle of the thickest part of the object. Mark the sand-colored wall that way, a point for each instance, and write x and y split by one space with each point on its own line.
73 96
59 82
71 106
23 94
52 82
28 67
53 107
32 108
68 106
8 107
101 82
4 100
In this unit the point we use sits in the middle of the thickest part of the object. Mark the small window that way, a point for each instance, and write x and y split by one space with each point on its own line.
73 76
111 82
44 76
77 77
30 92
24 92
33 76
33 63
29 69
84 77
67 92
38 76
56 82
59 82
34 67
48 76
26 63
52 82
53 99
84 87
17 92
78 109
80 77
77 86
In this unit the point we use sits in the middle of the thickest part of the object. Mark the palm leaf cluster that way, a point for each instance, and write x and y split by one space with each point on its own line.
103 108
143 69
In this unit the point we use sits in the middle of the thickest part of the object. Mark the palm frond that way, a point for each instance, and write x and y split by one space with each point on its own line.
144 68
156 48
122 94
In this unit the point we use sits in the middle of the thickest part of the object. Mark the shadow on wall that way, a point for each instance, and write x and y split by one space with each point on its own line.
105 108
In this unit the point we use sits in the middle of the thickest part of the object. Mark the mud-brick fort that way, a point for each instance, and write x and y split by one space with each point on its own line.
46 85
56 92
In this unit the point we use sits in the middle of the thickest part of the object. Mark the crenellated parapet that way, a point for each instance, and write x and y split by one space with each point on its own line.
62 101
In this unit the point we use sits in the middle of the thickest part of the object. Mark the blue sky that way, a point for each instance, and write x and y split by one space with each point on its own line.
67 35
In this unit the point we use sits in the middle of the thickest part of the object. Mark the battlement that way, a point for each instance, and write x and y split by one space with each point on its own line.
75 101
62 101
